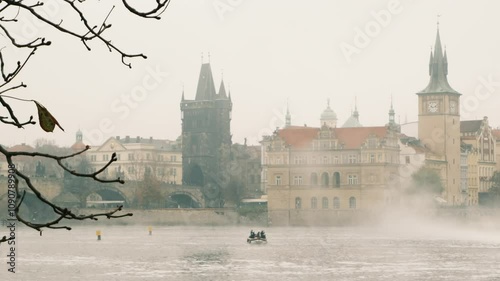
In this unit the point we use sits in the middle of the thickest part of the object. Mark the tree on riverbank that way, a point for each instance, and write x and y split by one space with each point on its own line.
494 190
426 181
77 23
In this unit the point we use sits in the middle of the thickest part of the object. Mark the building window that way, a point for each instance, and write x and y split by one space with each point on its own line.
277 180
314 179
302 160
252 179
105 157
297 180
352 158
130 156
324 179
325 203
336 177
336 203
407 159
352 203
298 203
372 158
352 179
93 158
336 160
173 158
325 159
372 143
131 170
314 203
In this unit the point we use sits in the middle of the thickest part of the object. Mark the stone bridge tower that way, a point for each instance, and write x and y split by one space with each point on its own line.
206 138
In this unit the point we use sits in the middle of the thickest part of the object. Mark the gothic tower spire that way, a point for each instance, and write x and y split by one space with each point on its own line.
288 117
438 71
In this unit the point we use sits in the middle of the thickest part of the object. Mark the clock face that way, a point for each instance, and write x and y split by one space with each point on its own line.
453 107
432 106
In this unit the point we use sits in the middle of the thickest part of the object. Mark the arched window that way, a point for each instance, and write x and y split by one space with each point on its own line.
336 203
325 203
324 179
298 203
336 177
314 203
352 203
314 179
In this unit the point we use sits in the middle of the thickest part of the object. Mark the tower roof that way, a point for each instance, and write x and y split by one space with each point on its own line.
222 91
206 87
438 71
352 121
328 113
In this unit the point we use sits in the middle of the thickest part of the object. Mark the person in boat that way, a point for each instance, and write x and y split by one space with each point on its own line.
262 234
252 234
258 235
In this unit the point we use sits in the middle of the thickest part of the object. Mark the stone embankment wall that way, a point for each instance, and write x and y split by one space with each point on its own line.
191 217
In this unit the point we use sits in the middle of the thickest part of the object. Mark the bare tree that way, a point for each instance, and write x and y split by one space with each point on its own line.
77 24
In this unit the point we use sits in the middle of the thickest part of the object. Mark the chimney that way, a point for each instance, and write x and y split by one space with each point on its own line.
127 139
117 137
150 139
138 139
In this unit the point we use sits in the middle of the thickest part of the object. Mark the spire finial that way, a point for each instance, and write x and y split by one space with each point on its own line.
391 101
288 117
438 21
328 102
208 57
182 90
201 57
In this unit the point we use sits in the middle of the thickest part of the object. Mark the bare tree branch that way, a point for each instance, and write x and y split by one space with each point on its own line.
85 31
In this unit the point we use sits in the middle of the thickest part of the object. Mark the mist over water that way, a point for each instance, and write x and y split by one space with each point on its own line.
398 249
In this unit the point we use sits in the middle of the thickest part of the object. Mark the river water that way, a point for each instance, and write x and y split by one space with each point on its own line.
221 253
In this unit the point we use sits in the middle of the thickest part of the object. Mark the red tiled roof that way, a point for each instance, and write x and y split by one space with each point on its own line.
297 136
78 146
355 137
496 133
21 147
352 138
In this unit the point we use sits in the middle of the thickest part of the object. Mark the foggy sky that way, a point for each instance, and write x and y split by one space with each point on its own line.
268 53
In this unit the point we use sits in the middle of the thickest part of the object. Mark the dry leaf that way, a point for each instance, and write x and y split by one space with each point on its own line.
47 121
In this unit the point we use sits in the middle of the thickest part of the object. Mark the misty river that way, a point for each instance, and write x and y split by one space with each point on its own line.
408 252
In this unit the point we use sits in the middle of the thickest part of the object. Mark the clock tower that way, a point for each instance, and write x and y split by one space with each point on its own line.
439 124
